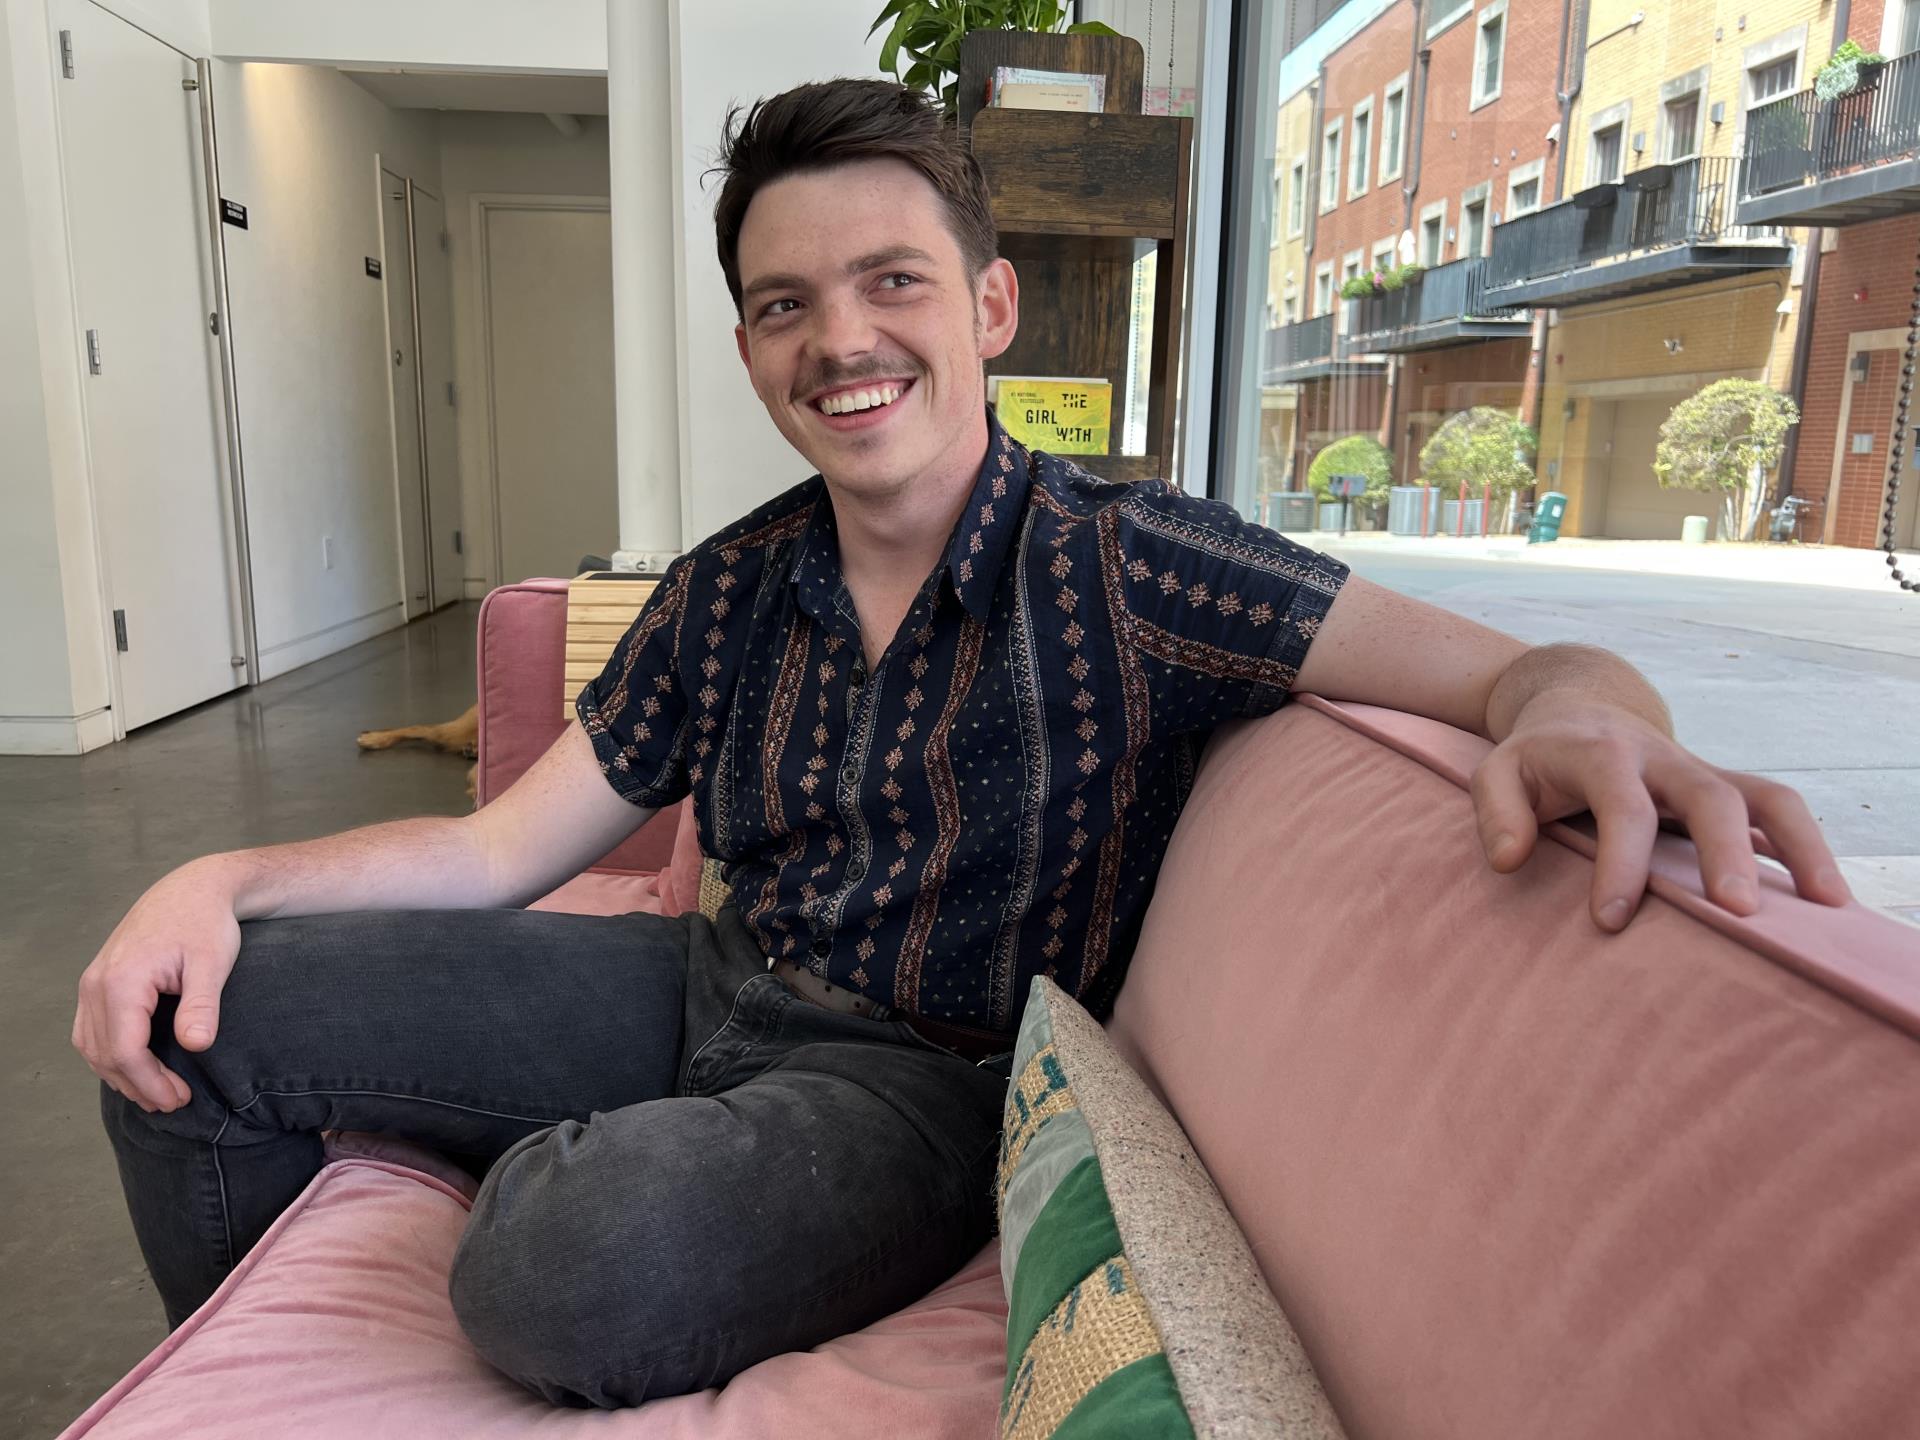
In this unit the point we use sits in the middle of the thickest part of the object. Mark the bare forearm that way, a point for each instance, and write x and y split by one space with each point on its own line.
433 863
1583 672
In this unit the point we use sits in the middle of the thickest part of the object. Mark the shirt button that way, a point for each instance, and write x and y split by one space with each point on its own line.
821 947
859 675
849 773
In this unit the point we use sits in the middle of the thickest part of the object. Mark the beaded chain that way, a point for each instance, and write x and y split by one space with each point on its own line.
1900 433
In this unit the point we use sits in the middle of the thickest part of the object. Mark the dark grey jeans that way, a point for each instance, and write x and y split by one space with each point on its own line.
691 1168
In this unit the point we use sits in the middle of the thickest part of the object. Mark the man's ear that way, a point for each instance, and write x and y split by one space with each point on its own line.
740 339
999 308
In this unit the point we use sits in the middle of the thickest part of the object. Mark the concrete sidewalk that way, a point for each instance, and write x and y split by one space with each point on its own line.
1833 566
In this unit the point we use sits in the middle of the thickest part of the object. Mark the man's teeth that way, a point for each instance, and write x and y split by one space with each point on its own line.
848 401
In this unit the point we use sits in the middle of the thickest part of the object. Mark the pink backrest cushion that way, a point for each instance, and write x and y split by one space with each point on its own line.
523 634
1510 1177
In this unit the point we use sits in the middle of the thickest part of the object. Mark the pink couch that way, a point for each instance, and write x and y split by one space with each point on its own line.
1509 1178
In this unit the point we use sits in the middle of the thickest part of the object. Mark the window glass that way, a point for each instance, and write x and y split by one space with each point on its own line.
1473 228
1605 154
1297 198
1526 196
1362 151
1683 122
1492 44
1330 168
1432 239
1772 80
1392 127
1909 27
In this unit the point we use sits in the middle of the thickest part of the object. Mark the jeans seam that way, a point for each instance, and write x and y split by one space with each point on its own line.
733 1010
388 1095
220 1184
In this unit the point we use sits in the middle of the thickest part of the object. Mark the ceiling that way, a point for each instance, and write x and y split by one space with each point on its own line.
484 90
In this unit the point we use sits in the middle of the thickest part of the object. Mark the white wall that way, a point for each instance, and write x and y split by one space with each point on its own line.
554 36
732 457
498 154
298 147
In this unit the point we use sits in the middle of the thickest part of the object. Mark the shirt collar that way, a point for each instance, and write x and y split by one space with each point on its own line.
979 546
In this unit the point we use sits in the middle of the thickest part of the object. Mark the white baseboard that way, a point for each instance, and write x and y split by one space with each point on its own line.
55 734
292 654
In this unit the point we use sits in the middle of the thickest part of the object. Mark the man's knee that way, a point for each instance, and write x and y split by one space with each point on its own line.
563 1283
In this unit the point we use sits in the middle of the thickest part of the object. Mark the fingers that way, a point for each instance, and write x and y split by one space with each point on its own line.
1628 822
120 1055
1715 815
1503 811
198 1017
1794 836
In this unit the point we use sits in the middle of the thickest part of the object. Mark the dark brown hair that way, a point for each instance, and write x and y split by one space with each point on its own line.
836 122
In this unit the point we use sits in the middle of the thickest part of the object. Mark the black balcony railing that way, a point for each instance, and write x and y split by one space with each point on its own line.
1686 203
1301 343
1799 139
1451 292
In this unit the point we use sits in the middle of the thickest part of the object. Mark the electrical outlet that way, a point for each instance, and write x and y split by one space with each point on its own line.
326 552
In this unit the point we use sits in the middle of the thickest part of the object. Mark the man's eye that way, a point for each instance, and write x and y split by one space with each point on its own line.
899 281
774 308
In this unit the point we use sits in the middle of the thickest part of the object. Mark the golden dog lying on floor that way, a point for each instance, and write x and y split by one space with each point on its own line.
456 737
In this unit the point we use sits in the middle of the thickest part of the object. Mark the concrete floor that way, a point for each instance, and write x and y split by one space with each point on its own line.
79 840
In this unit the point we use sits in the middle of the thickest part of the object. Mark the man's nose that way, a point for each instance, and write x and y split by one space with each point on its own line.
842 329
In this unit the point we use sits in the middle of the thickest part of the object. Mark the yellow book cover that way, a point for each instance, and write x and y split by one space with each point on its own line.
1062 417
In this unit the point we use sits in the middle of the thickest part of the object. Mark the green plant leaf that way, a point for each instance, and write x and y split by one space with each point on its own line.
1092 27
893 8
890 53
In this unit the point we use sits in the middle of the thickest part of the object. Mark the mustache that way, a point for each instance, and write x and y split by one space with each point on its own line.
830 375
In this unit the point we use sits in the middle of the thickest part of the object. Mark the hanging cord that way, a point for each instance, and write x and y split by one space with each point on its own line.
1900 433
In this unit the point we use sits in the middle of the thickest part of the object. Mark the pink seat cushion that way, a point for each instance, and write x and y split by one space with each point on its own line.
337 1327
1510 1177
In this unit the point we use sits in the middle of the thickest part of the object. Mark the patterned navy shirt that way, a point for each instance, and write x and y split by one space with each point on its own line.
993 800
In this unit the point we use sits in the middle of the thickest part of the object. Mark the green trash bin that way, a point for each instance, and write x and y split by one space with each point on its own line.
1547 515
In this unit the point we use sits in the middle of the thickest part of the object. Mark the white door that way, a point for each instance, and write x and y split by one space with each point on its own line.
433 284
548 285
1637 507
137 210
396 268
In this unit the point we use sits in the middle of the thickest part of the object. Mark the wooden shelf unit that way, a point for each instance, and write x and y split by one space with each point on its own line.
1079 201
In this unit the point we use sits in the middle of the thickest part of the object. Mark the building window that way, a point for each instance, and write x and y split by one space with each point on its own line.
1433 236
1447 14
1330 168
1473 227
1393 128
1489 54
1603 160
1383 257
1352 265
1909 40
1323 288
1289 307
1523 197
1297 198
1682 120
1772 80
1361 151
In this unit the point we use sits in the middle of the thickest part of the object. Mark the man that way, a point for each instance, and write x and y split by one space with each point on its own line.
938 710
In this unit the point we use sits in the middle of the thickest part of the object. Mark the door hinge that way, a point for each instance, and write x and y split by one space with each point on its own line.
456 544
189 84
452 401
446 243
93 352
120 631
66 54
213 322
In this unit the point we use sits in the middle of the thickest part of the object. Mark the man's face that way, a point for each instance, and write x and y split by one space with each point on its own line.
854 291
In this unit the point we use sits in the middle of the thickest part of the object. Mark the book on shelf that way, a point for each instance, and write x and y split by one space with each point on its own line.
1059 415
1015 87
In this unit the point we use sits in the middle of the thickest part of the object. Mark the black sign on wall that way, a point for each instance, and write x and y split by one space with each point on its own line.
373 267
233 212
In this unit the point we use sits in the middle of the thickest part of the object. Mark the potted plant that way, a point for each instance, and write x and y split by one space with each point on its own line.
927 35
1848 69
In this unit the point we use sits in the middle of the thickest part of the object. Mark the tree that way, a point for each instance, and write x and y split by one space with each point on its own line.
1723 440
1488 449
1355 455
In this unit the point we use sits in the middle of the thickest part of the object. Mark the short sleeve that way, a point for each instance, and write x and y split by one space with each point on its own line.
1229 608
635 713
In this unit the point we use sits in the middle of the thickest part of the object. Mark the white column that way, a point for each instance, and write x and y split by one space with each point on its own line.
645 350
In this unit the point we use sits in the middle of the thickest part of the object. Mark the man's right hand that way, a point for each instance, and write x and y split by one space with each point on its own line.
181 938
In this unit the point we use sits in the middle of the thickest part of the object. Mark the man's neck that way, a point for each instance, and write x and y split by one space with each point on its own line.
889 544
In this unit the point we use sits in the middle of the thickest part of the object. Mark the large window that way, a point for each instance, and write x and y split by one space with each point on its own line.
1297 198
1473 227
1523 189
1330 167
1680 119
1433 234
1489 54
1393 129
1603 159
1361 149
1772 80
1323 288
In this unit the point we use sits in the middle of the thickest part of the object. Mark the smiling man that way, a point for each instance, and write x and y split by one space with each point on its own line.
938 710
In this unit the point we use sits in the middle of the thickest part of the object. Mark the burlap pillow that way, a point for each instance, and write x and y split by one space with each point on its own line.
1134 1306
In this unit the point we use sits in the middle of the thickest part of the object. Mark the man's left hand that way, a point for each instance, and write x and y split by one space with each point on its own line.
1567 753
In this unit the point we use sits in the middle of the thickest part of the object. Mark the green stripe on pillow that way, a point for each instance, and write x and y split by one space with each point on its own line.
1073 1234
1142 1400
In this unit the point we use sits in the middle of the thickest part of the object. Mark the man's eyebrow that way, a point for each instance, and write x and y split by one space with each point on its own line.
860 265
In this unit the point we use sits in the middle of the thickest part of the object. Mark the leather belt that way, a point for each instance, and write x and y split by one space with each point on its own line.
963 1040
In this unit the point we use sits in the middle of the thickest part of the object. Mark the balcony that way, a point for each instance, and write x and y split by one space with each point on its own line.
1306 350
1661 227
1836 162
1445 306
